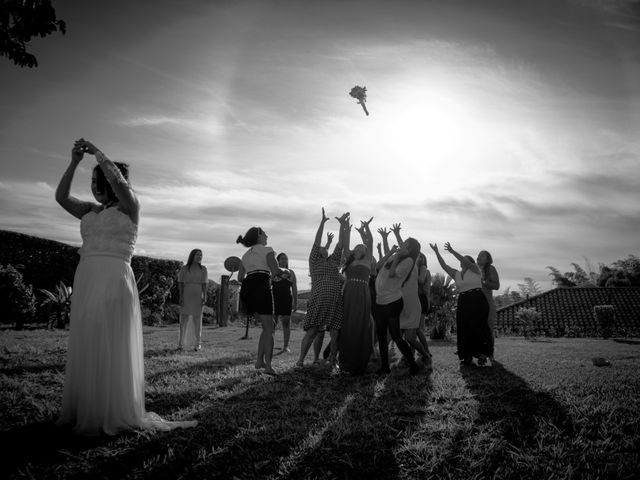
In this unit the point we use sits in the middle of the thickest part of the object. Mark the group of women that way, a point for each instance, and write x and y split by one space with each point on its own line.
104 375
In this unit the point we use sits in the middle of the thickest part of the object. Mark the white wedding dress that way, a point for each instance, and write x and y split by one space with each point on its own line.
104 380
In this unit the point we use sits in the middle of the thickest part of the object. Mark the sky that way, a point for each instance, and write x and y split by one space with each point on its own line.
503 125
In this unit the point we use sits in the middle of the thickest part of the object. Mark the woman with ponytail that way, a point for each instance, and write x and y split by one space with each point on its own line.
257 267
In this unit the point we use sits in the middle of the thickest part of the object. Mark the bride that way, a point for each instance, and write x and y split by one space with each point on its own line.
104 379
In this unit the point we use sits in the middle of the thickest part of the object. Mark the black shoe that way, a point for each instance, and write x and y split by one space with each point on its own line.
383 371
414 368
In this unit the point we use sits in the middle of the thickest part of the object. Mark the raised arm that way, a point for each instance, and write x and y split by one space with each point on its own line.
345 231
379 250
463 261
318 239
74 206
368 238
450 271
396 231
128 202
384 233
329 240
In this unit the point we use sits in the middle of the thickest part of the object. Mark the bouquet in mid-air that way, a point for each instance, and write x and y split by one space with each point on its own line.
360 93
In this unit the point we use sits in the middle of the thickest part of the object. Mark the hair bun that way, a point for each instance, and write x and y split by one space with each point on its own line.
239 239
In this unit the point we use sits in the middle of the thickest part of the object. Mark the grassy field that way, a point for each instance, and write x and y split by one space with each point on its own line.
543 411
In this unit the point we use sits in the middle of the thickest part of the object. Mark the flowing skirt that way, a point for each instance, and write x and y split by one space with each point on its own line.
104 379
355 341
472 327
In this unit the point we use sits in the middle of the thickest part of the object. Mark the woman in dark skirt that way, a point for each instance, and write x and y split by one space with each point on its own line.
472 313
285 297
258 264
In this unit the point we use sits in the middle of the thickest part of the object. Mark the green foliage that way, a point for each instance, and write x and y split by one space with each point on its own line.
529 288
443 306
507 298
529 320
621 273
57 305
605 317
22 20
16 298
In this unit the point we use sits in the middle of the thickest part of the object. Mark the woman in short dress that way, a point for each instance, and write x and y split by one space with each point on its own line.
104 374
410 318
192 288
257 266
324 309
285 297
472 312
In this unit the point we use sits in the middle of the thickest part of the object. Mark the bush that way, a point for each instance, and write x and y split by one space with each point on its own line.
57 305
17 299
529 320
605 317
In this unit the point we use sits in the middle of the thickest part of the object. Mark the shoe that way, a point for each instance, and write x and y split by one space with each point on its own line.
199 347
414 368
270 371
286 349
383 371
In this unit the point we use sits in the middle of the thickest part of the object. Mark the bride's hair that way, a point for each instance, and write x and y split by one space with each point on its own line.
102 184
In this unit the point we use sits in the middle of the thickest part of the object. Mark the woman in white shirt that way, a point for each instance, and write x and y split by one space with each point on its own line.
472 312
258 264
395 269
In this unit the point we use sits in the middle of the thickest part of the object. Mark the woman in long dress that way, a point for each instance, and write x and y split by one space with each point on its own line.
354 343
192 287
285 297
472 312
104 376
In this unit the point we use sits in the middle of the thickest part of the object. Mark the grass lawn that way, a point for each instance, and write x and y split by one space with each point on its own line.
543 411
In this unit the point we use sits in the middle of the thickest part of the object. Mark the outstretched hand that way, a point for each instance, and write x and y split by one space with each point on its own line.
343 218
325 219
77 153
366 224
86 146
396 228
384 233
434 246
448 247
330 236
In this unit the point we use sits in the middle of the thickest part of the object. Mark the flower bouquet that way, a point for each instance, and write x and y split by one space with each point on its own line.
360 93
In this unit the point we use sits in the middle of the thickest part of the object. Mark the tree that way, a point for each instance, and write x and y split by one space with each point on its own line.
621 273
20 21
529 288
578 278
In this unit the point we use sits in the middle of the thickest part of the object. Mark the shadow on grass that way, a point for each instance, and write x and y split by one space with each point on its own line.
514 418
300 424
206 367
